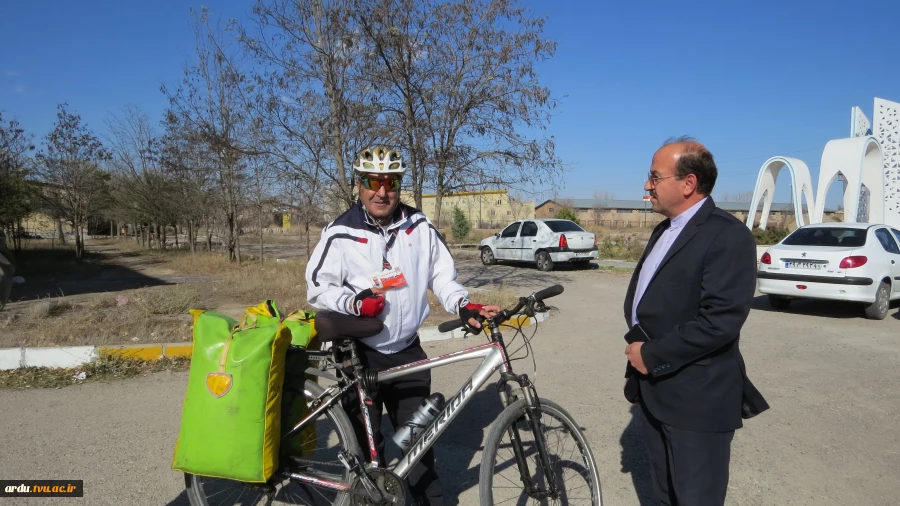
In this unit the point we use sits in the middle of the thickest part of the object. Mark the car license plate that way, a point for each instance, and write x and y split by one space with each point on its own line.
803 265
582 254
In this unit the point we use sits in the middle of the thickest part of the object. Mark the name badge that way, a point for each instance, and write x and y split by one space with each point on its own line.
389 278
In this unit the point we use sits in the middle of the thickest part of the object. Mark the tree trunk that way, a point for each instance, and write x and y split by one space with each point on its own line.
59 232
308 251
261 245
112 229
79 241
192 236
229 219
438 199
18 233
337 146
237 248
208 236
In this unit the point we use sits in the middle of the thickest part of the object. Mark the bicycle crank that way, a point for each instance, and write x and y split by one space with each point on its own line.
388 484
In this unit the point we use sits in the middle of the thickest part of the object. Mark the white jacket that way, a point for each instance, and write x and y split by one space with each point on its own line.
352 249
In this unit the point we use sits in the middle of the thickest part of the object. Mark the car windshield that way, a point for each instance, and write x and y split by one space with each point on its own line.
563 226
827 236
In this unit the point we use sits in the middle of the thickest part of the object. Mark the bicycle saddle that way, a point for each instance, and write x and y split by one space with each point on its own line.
332 326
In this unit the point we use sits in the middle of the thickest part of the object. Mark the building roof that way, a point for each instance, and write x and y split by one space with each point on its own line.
586 204
461 194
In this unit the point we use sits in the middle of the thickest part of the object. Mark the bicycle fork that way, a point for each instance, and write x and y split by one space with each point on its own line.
533 415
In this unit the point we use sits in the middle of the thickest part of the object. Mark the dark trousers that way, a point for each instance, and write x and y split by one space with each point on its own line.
402 397
687 468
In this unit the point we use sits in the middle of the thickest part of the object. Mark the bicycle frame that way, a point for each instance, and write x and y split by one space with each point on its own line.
493 357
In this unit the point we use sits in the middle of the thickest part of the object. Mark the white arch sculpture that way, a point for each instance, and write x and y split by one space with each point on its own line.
859 160
801 182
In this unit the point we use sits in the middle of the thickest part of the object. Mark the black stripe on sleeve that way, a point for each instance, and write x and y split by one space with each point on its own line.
315 273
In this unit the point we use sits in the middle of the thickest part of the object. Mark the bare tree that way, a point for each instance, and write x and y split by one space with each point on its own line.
312 47
211 104
70 168
601 198
17 195
144 191
191 170
398 36
485 95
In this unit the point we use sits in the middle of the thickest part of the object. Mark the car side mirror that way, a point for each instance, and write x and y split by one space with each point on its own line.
497 235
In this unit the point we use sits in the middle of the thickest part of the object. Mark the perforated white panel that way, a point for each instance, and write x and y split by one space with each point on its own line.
887 131
859 123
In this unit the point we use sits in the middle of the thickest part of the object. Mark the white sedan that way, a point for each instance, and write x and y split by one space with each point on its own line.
856 262
541 241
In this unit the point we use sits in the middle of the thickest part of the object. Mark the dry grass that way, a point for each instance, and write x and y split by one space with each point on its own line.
94 319
492 296
160 314
168 300
100 370
47 308
284 282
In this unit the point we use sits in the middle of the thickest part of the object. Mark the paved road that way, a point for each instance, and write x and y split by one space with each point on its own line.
829 375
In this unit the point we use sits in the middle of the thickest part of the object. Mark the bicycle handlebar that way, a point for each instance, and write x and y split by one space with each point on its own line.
451 325
546 293
506 314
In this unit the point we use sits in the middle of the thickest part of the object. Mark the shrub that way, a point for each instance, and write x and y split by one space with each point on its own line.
461 225
621 248
567 214
770 236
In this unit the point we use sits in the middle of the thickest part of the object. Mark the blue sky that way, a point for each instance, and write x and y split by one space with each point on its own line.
750 80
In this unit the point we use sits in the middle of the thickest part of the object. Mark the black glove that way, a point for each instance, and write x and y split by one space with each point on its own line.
468 311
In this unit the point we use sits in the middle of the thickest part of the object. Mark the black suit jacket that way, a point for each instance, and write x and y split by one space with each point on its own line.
692 311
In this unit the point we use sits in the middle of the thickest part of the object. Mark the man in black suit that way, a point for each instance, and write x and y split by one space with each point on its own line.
688 298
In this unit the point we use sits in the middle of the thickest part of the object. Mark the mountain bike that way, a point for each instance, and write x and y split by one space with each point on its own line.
534 452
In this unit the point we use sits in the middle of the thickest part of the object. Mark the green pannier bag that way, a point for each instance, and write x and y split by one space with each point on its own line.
231 422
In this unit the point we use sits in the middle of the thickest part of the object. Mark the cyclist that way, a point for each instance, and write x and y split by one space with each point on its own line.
377 260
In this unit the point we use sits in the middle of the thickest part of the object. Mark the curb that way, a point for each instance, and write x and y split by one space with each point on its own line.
67 357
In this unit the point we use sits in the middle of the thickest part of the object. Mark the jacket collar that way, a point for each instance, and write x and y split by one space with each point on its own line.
397 218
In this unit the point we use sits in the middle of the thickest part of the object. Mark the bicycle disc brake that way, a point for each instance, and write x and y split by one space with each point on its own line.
389 484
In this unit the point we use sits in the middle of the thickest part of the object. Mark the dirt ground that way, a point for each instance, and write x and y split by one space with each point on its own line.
828 439
125 294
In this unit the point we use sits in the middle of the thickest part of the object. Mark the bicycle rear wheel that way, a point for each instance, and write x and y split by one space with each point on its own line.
511 472
333 432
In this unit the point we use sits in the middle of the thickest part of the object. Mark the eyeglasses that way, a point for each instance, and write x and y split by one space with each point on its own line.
654 180
373 184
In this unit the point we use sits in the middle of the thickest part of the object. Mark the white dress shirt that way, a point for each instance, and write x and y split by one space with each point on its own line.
656 256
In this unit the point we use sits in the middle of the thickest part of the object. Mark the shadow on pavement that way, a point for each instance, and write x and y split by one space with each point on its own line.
463 441
634 457
824 308
514 275
181 500
54 273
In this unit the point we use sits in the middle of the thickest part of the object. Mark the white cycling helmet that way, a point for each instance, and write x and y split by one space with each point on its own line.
379 160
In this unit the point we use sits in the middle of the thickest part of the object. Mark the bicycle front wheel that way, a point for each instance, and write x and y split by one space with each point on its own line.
511 467
333 433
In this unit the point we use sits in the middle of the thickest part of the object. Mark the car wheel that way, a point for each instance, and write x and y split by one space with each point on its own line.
487 256
878 310
544 262
779 303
